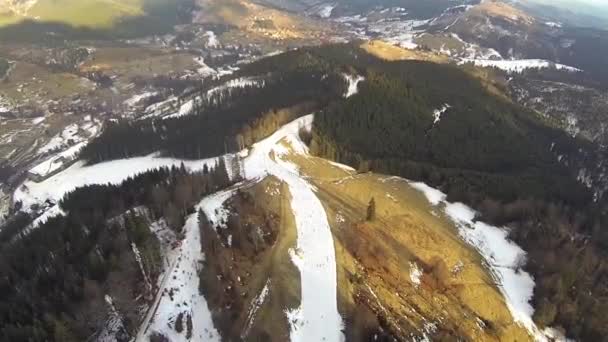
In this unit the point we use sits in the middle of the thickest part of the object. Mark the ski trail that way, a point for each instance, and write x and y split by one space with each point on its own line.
317 318
179 289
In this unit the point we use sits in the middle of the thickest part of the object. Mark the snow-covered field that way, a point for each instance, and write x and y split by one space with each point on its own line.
54 188
57 162
438 112
353 84
72 135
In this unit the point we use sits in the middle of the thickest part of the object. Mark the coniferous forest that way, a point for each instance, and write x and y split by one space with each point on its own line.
491 154
227 121
55 278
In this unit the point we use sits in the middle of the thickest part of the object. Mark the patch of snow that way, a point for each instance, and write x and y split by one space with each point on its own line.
52 212
326 11
342 166
137 100
571 125
438 112
137 255
212 41
255 305
204 69
433 195
78 175
114 327
553 24
518 66
353 84
214 208
185 109
415 274
38 120
241 82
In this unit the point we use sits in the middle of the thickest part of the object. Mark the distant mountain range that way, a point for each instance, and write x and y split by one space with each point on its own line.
583 13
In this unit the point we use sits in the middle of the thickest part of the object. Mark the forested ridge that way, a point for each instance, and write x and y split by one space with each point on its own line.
227 121
487 152
56 276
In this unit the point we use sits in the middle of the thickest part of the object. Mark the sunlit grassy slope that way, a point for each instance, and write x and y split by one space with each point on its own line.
87 13
95 14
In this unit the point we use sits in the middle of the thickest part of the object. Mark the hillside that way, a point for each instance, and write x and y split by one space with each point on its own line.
301 170
29 20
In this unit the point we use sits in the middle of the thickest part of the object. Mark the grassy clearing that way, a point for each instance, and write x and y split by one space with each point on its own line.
77 13
32 83
390 52
377 256
93 19
90 13
138 62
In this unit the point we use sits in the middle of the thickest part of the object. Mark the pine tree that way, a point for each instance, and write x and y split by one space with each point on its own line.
371 210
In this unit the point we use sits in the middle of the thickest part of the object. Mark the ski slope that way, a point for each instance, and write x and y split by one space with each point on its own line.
317 318
181 280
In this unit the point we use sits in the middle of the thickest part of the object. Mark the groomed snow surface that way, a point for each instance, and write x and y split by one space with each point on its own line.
317 318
